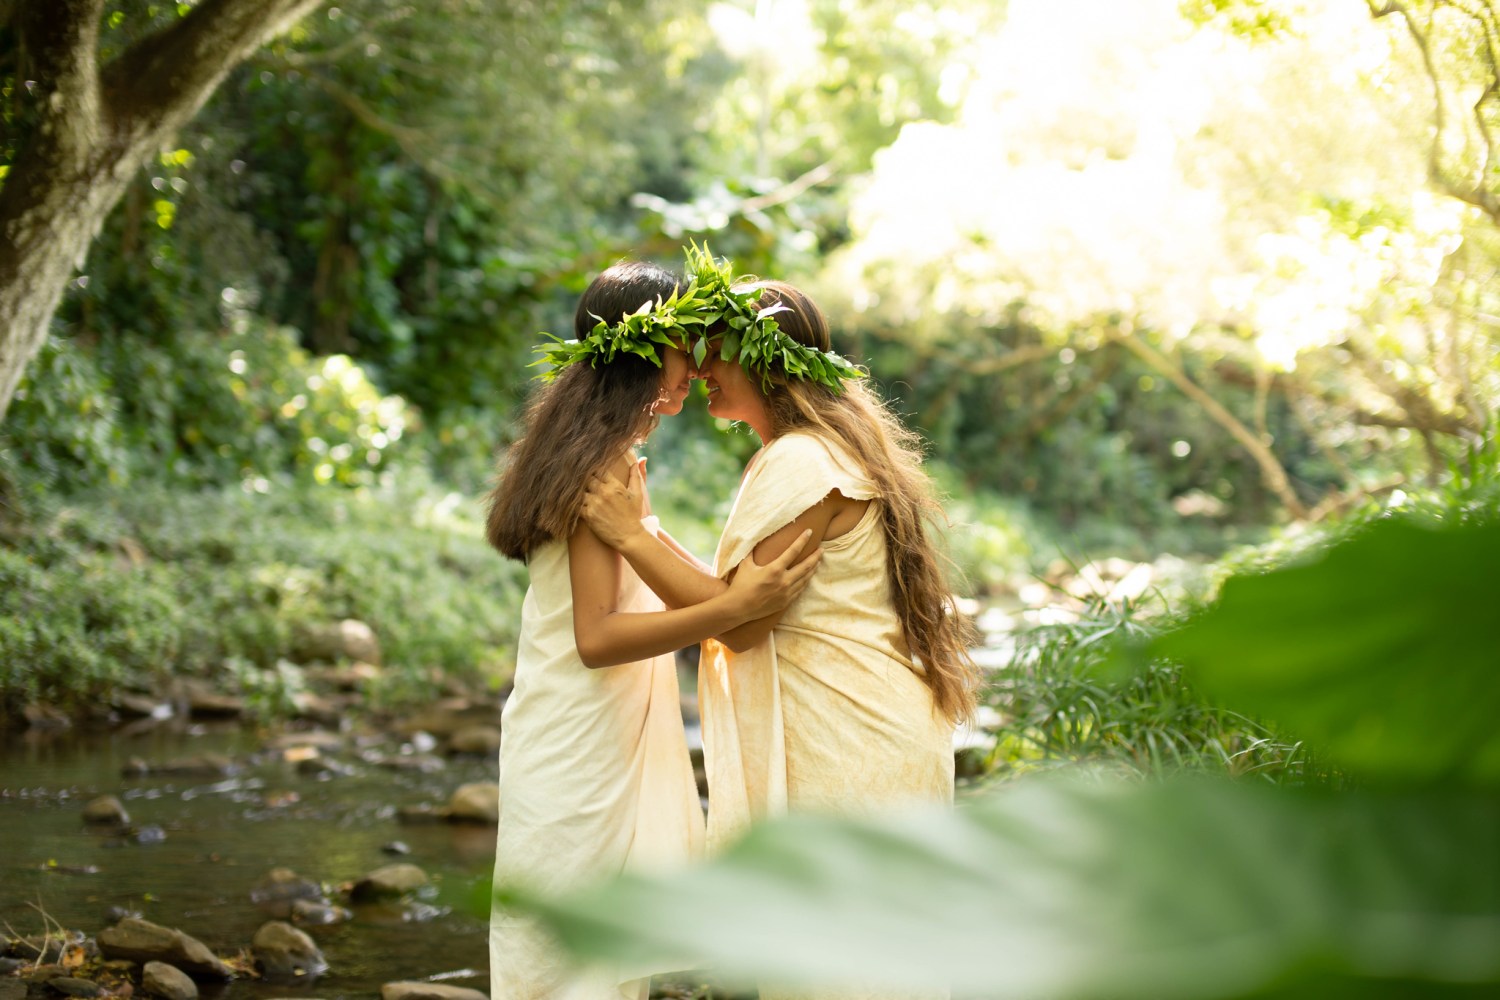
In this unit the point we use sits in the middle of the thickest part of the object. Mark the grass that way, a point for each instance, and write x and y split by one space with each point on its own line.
1073 696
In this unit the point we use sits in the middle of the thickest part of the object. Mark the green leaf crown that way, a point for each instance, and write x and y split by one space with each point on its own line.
751 335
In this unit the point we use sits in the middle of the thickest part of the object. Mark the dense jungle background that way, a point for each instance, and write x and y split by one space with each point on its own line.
1177 293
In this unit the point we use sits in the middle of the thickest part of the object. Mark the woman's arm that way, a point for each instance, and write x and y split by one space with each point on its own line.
612 511
829 518
606 636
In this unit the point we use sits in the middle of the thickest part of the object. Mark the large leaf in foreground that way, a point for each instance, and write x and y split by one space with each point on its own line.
1059 890
1385 653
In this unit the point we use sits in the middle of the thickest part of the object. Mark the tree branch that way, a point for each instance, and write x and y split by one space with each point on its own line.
161 81
1427 419
410 140
365 35
1271 469
1471 194
817 175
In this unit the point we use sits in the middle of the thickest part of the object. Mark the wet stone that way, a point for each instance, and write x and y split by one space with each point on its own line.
475 740
324 767
142 706
69 986
428 991
168 982
390 880
419 763
143 941
478 802
284 952
40 715
151 834
317 912
284 885
106 810
396 847
320 739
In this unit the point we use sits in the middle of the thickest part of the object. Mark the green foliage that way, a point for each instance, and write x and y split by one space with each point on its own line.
1258 20
82 625
1178 888
203 408
124 589
988 539
66 419
1412 605
1074 890
1097 444
1063 702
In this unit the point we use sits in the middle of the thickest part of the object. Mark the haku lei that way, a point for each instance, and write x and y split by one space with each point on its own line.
751 336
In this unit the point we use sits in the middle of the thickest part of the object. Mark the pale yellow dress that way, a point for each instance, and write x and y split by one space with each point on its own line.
829 713
594 779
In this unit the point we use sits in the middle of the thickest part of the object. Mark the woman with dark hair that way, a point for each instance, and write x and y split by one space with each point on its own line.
845 701
594 769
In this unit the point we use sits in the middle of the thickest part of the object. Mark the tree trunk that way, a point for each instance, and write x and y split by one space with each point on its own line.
95 129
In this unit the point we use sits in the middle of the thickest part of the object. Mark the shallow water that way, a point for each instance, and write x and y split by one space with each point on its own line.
224 834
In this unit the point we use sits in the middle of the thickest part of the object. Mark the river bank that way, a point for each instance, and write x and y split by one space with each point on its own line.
217 809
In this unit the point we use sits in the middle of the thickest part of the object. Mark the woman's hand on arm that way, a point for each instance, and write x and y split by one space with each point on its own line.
816 520
606 636
612 510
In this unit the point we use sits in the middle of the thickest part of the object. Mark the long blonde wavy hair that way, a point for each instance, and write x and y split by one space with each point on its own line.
891 455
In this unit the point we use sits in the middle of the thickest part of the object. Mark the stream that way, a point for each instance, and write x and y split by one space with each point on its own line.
219 837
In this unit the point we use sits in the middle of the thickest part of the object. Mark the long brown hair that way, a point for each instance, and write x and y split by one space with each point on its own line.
579 423
891 455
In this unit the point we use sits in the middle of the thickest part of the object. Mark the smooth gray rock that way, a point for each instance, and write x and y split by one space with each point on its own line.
478 802
143 941
107 810
71 987
168 982
389 880
428 991
284 952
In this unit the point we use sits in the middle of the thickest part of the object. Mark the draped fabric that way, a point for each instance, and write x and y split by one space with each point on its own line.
828 713
594 779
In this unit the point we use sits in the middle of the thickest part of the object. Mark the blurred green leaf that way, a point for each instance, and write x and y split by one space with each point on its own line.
1383 652
1188 889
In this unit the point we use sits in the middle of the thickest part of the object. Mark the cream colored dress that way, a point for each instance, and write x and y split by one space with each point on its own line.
829 713
594 778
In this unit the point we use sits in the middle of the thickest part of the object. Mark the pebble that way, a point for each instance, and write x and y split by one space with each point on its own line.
390 880
284 952
168 982
405 990
477 802
106 810
318 912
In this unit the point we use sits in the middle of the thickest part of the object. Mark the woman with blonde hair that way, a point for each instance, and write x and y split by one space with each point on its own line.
845 701
594 769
